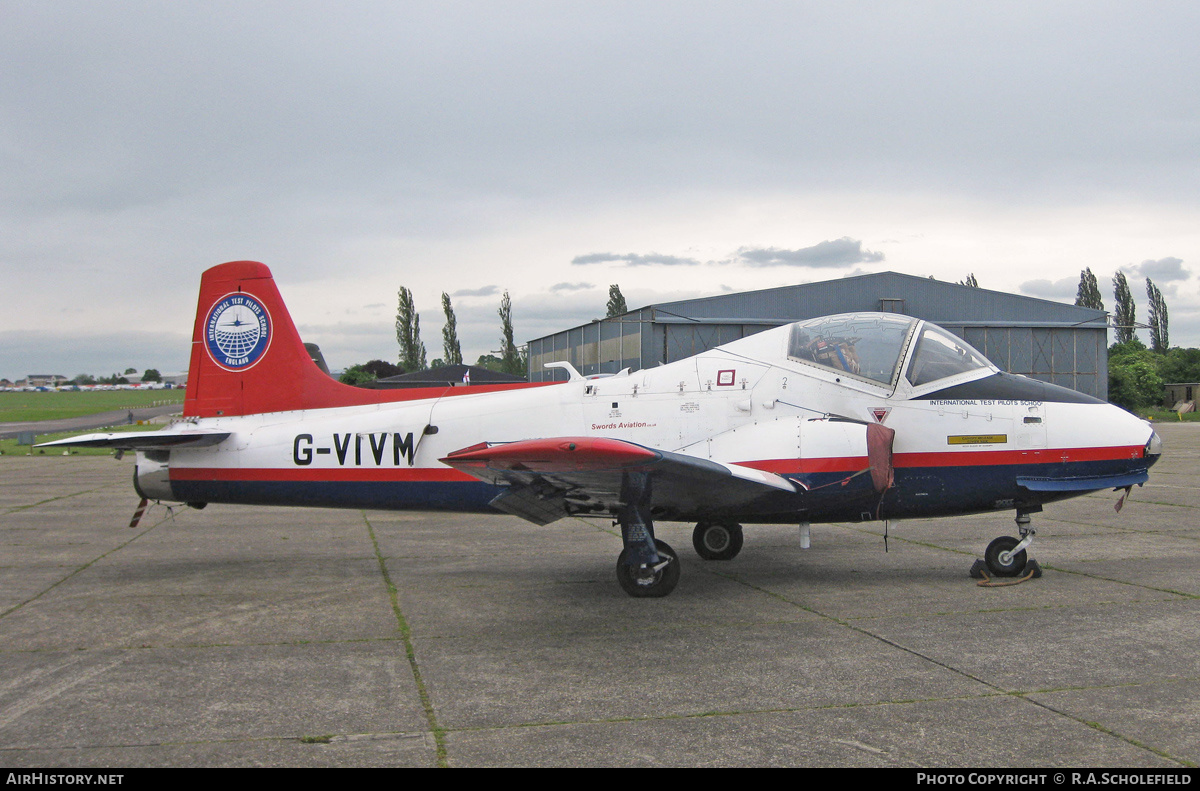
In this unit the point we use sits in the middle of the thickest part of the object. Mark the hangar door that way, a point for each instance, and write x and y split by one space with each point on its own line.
1074 357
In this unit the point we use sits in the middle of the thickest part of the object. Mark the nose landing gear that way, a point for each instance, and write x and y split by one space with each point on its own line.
1003 559
1007 557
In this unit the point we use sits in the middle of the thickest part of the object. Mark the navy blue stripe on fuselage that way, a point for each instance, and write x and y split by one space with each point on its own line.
920 492
466 496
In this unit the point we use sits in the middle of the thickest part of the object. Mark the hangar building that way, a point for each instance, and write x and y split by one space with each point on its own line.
1057 343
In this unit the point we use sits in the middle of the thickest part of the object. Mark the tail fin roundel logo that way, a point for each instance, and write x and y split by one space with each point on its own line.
237 331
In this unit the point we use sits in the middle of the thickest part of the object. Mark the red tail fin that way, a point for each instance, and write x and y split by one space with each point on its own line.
247 356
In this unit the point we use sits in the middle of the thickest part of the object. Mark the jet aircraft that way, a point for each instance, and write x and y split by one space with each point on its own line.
845 418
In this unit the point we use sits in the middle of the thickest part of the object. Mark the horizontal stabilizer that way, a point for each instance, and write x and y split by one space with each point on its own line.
1084 484
141 440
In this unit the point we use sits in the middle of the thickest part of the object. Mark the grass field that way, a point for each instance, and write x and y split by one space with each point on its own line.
16 407
1166 415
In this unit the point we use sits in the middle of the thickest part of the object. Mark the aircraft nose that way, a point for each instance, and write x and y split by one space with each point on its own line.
1154 446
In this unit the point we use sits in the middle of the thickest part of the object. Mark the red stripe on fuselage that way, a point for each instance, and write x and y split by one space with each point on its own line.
966 458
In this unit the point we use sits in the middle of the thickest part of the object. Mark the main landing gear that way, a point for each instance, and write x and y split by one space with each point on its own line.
643 574
650 580
1007 556
647 567
717 541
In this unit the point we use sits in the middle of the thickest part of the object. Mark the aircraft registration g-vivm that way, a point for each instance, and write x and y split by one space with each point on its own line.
853 417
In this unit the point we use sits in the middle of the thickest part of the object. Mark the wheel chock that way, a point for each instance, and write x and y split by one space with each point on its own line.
978 571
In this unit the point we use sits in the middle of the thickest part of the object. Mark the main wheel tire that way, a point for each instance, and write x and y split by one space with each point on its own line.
992 557
716 541
656 585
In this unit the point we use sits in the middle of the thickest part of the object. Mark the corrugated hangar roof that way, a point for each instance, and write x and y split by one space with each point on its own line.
922 297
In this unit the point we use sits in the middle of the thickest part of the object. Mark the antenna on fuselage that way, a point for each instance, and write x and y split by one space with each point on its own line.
574 376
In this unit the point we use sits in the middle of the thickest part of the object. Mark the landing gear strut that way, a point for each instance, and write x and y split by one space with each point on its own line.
646 567
717 541
1006 556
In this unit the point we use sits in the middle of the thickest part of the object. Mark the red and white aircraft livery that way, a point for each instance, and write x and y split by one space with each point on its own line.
854 417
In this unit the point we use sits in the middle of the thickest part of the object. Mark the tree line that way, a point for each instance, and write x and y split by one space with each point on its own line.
413 355
149 375
1137 373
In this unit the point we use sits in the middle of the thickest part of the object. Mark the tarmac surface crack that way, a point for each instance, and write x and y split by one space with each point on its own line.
84 566
409 649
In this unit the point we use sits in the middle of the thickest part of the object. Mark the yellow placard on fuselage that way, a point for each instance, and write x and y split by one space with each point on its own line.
977 439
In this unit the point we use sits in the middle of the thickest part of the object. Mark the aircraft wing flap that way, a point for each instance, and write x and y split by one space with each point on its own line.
141 440
551 478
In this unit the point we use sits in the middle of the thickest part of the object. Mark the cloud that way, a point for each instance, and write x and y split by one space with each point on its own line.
634 259
832 254
1066 288
558 288
827 254
484 291
1163 270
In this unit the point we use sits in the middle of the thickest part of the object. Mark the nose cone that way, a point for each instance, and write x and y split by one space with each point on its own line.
1154 447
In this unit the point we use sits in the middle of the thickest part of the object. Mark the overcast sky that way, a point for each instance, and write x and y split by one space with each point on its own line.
678 149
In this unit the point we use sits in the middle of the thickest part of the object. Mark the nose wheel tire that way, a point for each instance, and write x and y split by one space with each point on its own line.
1001 560
650 582
716 541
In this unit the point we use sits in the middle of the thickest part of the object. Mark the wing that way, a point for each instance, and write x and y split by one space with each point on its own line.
141 440
548 479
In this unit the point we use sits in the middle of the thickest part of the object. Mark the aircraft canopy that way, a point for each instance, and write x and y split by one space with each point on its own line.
939 355
872 346
865 345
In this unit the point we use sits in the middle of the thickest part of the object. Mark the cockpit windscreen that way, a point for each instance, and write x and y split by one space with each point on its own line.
864 345
940 355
